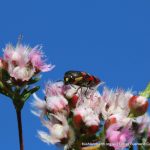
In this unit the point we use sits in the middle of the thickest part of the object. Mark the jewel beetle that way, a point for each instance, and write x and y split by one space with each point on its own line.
81 79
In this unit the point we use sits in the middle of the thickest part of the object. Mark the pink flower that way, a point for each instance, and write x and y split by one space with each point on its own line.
87 115
39 103
87 109
54 89
52 104
23 62
55 100
71 91
143 122
115 102
119 119
118 137
59 131
8 52
21 73
36 58
56 103
19 55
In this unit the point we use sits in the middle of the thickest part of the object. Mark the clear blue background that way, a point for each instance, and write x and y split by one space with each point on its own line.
110 39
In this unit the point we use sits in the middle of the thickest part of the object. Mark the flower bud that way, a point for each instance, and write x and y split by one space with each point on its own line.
74 100
78 120
110 122
138 105
93 129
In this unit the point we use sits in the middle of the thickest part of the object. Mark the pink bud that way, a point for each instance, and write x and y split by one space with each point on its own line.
138 105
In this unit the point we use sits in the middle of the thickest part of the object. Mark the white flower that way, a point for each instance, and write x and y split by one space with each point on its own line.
56 103
58 130
119 119
54 89
71 91
21 73
115 102
89 117
144 122
23 61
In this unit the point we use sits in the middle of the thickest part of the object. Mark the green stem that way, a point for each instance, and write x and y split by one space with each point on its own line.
18 113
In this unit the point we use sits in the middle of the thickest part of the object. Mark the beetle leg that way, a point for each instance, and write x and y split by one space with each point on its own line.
78 89
72 86
91 88
86 94
86 91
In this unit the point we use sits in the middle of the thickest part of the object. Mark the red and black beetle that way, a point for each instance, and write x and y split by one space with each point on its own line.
81 79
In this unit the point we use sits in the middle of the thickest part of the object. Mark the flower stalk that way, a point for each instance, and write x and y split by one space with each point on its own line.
20 132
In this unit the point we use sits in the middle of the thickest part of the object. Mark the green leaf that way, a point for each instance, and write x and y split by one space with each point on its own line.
5 89
4 75
29 93
26 89
34 89
70 121
2 92
1 85
146 92
33 80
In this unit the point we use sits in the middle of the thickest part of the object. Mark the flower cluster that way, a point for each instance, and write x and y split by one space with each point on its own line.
54 111
75 114
79 112
120 110
22 62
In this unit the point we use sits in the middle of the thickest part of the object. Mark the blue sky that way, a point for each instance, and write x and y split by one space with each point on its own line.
110 39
